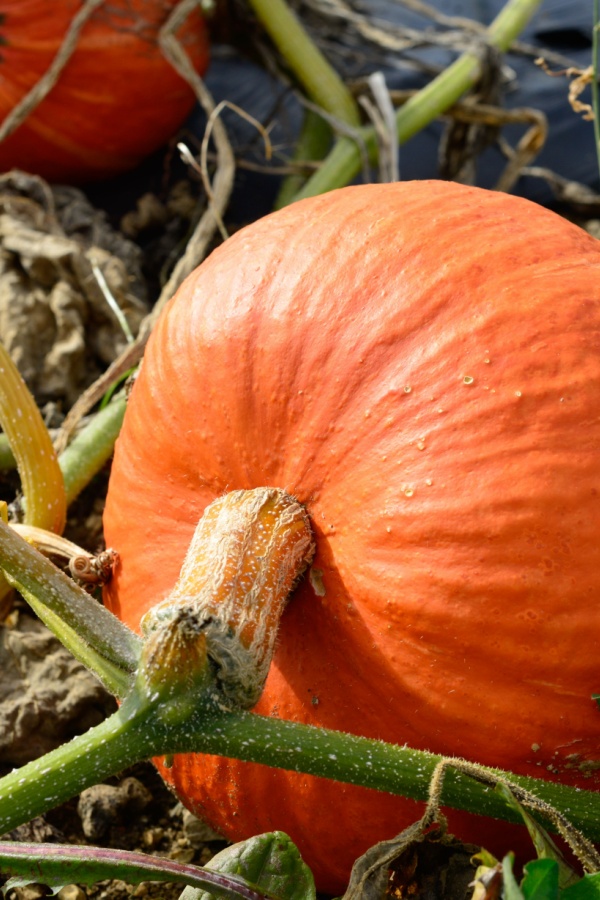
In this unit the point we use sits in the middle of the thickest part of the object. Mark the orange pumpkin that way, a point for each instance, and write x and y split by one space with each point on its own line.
419 364
117 99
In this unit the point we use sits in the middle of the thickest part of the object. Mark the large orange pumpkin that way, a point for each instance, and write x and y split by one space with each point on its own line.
117 99
419 364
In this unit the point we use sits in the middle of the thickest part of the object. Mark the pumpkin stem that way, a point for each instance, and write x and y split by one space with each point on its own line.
246 555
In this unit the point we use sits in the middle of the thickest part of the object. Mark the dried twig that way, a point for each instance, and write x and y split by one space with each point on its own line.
577 195
381 113
42 88
580 79
387 35
529 144
583 849
201 167
487 114
196 247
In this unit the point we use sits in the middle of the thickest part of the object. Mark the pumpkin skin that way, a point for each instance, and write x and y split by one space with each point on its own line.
117 99
419 364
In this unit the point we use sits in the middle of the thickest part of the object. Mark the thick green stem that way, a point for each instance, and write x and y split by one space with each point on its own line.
91 448
375 764
320 81
345 160
43 784
312 144
140 730
50 590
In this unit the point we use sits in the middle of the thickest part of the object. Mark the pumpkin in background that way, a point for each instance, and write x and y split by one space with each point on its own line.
419 364
117 99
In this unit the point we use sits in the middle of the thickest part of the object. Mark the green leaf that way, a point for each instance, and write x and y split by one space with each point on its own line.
270 861
587 888
511 890
541 880
58 864
545 847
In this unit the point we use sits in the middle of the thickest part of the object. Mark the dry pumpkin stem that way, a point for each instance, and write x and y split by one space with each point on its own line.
344 162
248 551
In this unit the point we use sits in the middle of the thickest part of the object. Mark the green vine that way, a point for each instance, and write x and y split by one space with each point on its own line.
345 160
172 703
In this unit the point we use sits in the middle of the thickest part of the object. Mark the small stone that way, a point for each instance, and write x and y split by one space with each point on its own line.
182 855
71 892
31 892
36 831
100 806
196 831
152 836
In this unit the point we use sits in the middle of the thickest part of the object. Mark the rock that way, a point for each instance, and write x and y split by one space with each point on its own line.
46 696
31 892
59 259
37 831
71 892
196 831
99 807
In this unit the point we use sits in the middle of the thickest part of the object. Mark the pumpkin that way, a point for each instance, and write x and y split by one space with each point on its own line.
419 365
117 99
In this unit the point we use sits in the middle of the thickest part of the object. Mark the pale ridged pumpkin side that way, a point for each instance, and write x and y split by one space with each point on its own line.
420 365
